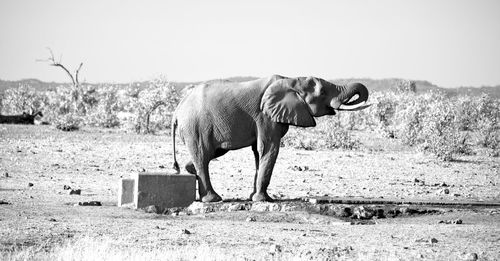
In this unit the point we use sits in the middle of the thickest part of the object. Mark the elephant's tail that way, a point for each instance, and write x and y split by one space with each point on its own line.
174 128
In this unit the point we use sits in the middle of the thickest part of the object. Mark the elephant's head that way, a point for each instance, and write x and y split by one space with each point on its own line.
297 100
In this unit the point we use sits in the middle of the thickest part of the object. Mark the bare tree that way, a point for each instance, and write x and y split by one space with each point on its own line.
78 92
57 63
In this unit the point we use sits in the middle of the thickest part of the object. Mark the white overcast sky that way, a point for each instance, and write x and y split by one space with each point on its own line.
448 42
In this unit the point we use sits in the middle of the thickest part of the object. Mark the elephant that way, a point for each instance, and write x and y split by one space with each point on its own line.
216 117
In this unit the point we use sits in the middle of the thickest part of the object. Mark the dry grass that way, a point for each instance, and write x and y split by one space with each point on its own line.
88 248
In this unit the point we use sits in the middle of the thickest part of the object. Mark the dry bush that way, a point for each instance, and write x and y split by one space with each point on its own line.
67 122
22 99
435 122
328 134
153 107
104 112
70 107
432 121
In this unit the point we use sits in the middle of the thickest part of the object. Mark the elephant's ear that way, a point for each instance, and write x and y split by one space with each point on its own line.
283 104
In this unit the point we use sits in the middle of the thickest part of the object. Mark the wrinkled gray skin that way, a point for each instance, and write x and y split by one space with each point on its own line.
217 117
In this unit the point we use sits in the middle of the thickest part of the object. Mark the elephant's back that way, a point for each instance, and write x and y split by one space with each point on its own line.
224 112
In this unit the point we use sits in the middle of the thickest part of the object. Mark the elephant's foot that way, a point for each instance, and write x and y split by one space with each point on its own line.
211 197
262 196
190 168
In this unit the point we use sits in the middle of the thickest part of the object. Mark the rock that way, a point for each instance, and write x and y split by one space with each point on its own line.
300 168
343 212
66 187
470 257
89 203
52 220
362 212
265 206
419 182
261 206
456 195
151 209
454 221
236 207
363 222
325 253
250 219
289 207
274 207
185 232
75 192
446 191
2 202
433 241
393 212
274 248
201 208
379 213
172 211
6 174
30 184
406 211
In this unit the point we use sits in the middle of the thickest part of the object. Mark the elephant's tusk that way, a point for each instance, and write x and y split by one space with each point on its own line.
355 109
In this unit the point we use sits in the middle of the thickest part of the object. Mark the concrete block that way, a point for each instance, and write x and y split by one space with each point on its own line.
164 190
125 192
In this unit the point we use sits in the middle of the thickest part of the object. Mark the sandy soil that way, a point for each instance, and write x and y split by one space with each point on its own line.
93 160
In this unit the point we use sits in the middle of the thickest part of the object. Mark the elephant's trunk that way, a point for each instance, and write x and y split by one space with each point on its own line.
349 91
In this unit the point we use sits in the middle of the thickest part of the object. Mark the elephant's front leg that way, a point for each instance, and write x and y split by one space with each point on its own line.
256 157
268 144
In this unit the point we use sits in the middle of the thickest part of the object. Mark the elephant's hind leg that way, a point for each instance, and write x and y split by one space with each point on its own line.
201 159
190 165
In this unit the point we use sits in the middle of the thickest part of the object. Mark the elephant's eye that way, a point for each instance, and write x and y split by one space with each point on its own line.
322 92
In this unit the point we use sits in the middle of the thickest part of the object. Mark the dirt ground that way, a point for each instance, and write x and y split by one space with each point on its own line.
93 160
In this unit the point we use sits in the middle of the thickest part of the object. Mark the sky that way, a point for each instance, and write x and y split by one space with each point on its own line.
450 43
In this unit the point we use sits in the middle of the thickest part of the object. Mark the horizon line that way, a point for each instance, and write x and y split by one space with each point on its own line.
248 76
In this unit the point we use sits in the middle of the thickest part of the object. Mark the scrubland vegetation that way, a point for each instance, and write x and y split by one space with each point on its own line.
430 121
92 142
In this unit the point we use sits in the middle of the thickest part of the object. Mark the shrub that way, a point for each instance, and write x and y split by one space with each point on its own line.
63 100
440 131
431 121
104 114
22 99
328 134
335 134
299 139
382 113
406 86
154 106
67 122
